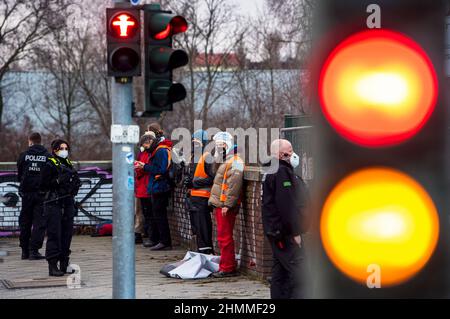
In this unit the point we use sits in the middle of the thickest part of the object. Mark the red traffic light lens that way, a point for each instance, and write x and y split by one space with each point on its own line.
178 24
164 34
378 88
124 25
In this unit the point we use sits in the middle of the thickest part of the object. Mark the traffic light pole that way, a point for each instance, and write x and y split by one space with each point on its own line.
123 195
123 198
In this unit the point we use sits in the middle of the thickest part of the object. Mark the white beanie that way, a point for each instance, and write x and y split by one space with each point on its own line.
224 137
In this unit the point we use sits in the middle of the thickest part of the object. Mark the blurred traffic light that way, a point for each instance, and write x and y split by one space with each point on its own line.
123 41
161 59
382 126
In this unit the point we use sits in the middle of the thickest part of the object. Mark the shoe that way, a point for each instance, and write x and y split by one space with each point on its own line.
137 238
53 270
148 243
64 264
36 255
25 254
223 274
160 246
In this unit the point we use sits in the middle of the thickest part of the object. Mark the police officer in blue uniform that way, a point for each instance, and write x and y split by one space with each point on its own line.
60 183
31 222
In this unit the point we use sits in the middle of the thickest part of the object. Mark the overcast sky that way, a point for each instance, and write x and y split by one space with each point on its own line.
248 6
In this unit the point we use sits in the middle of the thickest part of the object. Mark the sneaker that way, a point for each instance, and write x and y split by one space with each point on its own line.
223 274
148 243
160 246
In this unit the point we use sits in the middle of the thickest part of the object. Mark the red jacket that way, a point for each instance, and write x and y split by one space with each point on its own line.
141 178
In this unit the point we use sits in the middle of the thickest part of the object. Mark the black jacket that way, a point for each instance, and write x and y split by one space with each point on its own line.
58 176
29 167
284 202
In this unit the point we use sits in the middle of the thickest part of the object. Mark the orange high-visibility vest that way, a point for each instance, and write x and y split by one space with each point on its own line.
200 173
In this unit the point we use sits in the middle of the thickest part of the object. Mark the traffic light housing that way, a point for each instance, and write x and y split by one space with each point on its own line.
123 27
381 119
161 59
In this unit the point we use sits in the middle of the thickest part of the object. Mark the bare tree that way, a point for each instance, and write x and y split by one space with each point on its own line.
295 23
94 79
212 38
23 24
62 102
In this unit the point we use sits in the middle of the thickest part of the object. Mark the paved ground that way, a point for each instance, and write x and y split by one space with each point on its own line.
93 255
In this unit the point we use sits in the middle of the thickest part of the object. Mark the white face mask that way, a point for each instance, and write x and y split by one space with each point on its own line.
63 154
294 160
142 149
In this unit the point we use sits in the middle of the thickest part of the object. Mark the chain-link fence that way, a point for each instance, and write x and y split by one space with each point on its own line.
299 132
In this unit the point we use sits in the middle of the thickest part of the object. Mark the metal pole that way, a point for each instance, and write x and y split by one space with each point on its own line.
123 199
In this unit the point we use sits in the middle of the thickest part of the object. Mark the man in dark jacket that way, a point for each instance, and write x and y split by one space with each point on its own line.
284 220
31 222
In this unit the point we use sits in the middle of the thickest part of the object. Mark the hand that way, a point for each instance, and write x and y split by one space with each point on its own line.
298 240
225 211
139 165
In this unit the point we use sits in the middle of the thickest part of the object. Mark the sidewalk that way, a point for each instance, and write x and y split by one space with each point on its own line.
93 255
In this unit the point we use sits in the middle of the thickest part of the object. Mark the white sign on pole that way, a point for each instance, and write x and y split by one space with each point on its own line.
125 134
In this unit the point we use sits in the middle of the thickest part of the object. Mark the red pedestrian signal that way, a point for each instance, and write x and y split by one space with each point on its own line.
124 42
124 25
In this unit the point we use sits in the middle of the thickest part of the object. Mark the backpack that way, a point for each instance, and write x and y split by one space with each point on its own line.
176 166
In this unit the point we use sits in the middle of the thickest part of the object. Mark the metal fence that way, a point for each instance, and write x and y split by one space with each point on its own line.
301 139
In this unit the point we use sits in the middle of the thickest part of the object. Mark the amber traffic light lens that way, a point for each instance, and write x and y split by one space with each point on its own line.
379 217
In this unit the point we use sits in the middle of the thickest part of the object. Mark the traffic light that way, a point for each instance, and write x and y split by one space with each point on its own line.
124 42
161 59
382 127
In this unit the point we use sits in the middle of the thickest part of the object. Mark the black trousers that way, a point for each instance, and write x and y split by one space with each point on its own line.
146 206
31 222
201 223
288 271
59 216
159 225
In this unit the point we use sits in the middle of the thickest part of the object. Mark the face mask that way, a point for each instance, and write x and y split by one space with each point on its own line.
294 160
142 149
63 154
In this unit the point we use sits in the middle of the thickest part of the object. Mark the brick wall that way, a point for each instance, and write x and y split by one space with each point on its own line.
251 244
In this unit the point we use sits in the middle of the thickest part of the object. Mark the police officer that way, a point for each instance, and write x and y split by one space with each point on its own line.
285 220
31 222
61 183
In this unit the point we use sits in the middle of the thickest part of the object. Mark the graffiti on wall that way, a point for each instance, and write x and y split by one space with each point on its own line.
94 201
